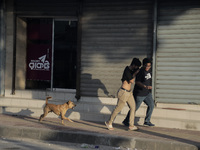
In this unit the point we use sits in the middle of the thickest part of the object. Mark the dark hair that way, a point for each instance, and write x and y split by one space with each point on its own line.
145 61
136 62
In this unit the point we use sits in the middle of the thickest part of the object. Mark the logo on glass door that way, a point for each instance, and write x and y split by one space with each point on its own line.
40 64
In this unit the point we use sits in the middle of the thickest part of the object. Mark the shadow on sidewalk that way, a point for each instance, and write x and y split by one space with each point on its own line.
99 127
27 111
48 123
179 137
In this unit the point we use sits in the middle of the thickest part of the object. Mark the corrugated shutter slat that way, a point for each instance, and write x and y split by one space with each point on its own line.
113 33
178 52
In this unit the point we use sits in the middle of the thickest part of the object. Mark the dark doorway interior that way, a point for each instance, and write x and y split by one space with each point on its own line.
65 42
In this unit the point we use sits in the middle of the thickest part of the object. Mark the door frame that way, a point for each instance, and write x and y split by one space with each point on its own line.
53 44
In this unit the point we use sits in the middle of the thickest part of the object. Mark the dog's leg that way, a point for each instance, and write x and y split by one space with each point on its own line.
63 117
62 121
43 115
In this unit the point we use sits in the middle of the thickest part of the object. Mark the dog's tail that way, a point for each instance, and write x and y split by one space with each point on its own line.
47 99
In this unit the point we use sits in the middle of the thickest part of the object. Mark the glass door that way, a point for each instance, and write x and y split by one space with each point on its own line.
51 54
65 45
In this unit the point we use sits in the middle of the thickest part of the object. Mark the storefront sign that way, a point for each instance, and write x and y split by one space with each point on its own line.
39 62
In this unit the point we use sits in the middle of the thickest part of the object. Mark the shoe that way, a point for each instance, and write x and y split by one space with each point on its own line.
149 124
109 126
125 123
133 128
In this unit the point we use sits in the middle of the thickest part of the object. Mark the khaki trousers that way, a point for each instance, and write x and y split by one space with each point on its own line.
123 98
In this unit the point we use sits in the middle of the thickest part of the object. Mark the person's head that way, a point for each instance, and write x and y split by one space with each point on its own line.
146 63
135 64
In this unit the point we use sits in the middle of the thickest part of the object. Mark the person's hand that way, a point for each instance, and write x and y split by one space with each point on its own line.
148 87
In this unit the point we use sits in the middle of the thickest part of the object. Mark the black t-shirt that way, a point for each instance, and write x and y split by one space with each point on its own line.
127 75
145 77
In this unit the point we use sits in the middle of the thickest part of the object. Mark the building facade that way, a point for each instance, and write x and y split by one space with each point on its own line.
82 46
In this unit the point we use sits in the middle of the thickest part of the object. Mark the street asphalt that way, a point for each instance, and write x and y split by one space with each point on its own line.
96 133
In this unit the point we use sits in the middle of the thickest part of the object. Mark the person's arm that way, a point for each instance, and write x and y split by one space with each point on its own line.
135 73
140 84
139 79
134 76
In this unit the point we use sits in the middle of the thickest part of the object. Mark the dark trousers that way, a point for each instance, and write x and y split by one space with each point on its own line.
148 100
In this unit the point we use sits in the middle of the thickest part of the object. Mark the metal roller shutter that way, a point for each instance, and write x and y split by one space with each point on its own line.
113 32
178 52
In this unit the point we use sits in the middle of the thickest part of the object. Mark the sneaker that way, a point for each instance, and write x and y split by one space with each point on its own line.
109 126
149 124
125 123
133 128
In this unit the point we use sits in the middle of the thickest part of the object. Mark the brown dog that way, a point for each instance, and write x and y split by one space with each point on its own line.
59 110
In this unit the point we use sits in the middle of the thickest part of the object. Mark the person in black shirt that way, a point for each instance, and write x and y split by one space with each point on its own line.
125 94
142 92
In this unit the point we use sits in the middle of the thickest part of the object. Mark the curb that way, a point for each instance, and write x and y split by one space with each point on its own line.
92 138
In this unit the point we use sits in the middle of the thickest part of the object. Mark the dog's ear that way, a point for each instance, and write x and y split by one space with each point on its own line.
68 102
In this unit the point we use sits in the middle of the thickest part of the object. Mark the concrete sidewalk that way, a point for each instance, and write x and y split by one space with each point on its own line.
146 138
